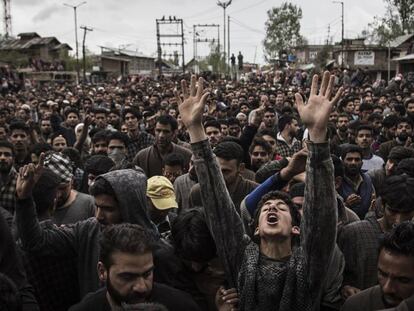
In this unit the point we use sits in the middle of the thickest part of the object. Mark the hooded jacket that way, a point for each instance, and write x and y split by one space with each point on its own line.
81 240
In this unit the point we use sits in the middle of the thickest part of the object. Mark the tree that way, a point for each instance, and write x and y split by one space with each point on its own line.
282 30
322 57
398 20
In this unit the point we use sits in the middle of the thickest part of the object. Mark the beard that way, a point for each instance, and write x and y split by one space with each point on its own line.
119 299
403 136
352 170
5 167
62 200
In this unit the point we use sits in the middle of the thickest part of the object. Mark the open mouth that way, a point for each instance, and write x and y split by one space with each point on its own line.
272 219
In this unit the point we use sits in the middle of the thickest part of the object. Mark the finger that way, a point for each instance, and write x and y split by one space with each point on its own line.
337 96
203 99
299 101
329 90
200 89
177 97
184 89
324 84
193 89
314 87
231 296
41 160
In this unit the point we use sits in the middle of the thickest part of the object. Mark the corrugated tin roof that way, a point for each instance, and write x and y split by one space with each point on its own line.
18 44
400 40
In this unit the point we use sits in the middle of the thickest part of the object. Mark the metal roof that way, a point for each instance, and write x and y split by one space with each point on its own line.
400 40
33 41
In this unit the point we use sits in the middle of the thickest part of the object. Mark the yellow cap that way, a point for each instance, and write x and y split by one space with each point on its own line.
161 192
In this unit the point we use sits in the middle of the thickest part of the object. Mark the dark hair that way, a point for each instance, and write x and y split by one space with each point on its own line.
297 190
44 191
343 115
55 135
365 107
267 131
191 236
98 164
233 121
350 149
9 294
269 109
119 136
390 121
71 110
212 123
339 170
133 111
400 240
366 127
38 148
124 238
101 186
257 141
284 120
174 159
404 120
7 144
229 150
168 120
18 125
375 116
99 136
294 213
398 192
100 110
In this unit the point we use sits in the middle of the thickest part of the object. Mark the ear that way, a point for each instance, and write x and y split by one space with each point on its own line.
296 230
338 182
102 272
256 231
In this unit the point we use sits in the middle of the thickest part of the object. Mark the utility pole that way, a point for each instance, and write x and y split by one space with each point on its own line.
75 7
7 19
85 30
224 5
228 37
172 20
342 43
329 33
199 39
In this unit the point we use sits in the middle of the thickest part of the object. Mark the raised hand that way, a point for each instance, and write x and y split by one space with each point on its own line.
27 178
192 108
315 113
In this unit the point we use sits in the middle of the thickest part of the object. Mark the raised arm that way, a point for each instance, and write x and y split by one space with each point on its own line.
79 143
53 240
221 217
318 227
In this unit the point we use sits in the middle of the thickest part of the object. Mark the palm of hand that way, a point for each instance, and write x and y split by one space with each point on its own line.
191 110
316 111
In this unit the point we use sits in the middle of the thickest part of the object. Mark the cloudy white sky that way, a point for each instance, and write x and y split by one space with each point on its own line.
132 22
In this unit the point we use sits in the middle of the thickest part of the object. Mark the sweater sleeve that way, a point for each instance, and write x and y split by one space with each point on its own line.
318 226
222 219
274 182
48 240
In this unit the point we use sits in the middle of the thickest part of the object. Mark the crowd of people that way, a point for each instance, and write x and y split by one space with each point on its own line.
281 191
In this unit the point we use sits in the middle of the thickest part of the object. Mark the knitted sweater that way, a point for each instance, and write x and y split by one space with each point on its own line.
263 283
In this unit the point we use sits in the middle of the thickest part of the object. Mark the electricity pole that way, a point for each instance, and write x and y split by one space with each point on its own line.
342 43
206 39
224 5
85 30
171 20
75 7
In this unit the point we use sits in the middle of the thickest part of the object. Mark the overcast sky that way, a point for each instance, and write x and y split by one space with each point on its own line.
132 23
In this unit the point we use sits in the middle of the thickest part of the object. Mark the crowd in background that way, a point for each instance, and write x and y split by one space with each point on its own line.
92 175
